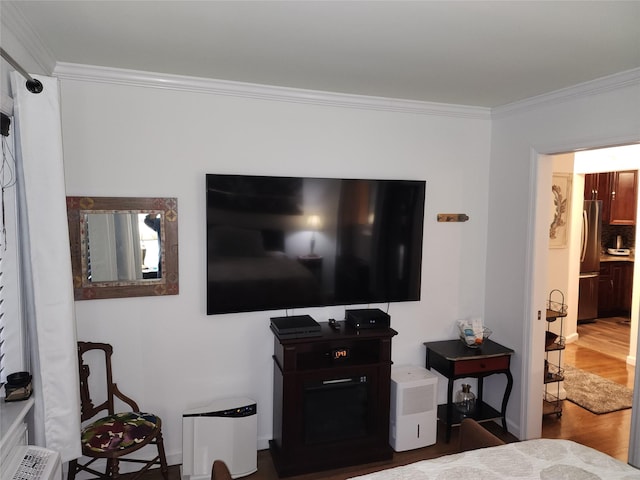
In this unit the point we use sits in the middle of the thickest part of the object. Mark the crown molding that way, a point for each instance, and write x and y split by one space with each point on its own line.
14 21
581 90
136 78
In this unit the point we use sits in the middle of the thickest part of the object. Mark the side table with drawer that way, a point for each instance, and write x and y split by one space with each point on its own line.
455 360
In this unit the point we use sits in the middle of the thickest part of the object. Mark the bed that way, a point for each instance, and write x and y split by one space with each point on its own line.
541 459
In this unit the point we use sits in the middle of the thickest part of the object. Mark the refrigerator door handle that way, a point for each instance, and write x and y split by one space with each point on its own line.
585 235
589 275
596 239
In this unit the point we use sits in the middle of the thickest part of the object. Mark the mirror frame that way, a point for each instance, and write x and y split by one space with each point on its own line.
167 285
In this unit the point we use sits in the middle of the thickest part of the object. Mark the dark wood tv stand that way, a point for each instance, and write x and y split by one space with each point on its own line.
331 399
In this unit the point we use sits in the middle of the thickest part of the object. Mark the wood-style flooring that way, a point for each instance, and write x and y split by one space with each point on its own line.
602 349
606 335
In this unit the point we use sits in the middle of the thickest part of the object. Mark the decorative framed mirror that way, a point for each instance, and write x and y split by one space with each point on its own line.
123 246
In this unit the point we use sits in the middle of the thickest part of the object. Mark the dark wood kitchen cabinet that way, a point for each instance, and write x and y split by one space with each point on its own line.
624 192
618 192
615 289
597 186
605 291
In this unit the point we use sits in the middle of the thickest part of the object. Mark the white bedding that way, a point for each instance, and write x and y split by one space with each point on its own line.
542 459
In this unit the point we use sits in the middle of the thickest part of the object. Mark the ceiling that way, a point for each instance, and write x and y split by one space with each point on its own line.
481 53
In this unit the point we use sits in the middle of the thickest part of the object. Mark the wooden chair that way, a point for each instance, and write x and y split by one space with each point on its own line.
220 471
119 433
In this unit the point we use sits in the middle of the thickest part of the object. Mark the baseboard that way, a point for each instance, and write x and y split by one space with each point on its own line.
572 338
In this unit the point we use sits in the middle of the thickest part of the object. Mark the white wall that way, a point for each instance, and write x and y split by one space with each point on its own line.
124 140
560 275
517 254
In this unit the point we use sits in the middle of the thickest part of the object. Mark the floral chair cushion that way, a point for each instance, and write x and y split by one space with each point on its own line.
118 432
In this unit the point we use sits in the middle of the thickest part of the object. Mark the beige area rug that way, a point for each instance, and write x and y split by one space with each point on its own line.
596 394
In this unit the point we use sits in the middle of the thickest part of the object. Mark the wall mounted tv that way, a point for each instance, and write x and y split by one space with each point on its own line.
291 242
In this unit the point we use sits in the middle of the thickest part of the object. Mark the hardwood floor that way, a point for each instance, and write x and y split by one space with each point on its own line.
606 335
602 349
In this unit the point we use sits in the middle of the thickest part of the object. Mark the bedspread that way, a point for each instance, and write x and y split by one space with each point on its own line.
542 459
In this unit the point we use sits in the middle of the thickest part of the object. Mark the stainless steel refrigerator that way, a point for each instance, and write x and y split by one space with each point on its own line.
590 261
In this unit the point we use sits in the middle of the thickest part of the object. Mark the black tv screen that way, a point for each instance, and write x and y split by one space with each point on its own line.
291 242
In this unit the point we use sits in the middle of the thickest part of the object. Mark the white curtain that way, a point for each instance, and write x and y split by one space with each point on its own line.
46 267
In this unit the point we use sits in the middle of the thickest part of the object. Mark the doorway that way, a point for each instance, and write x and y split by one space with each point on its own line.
602 346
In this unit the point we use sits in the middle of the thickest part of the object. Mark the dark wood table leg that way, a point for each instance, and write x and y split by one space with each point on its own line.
505 399
449 422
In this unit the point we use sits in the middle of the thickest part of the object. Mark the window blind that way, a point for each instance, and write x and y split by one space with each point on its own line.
3 245
3 374
12 337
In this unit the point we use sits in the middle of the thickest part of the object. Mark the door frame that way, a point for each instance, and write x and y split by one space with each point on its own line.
536 277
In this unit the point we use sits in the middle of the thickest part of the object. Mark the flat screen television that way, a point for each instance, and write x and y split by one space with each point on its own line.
291 242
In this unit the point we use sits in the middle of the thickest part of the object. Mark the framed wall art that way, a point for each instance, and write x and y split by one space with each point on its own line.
560 208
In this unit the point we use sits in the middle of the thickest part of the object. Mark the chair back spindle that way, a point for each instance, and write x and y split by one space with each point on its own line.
86 404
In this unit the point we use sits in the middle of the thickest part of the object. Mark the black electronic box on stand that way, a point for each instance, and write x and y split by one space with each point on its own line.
296 326
367 318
